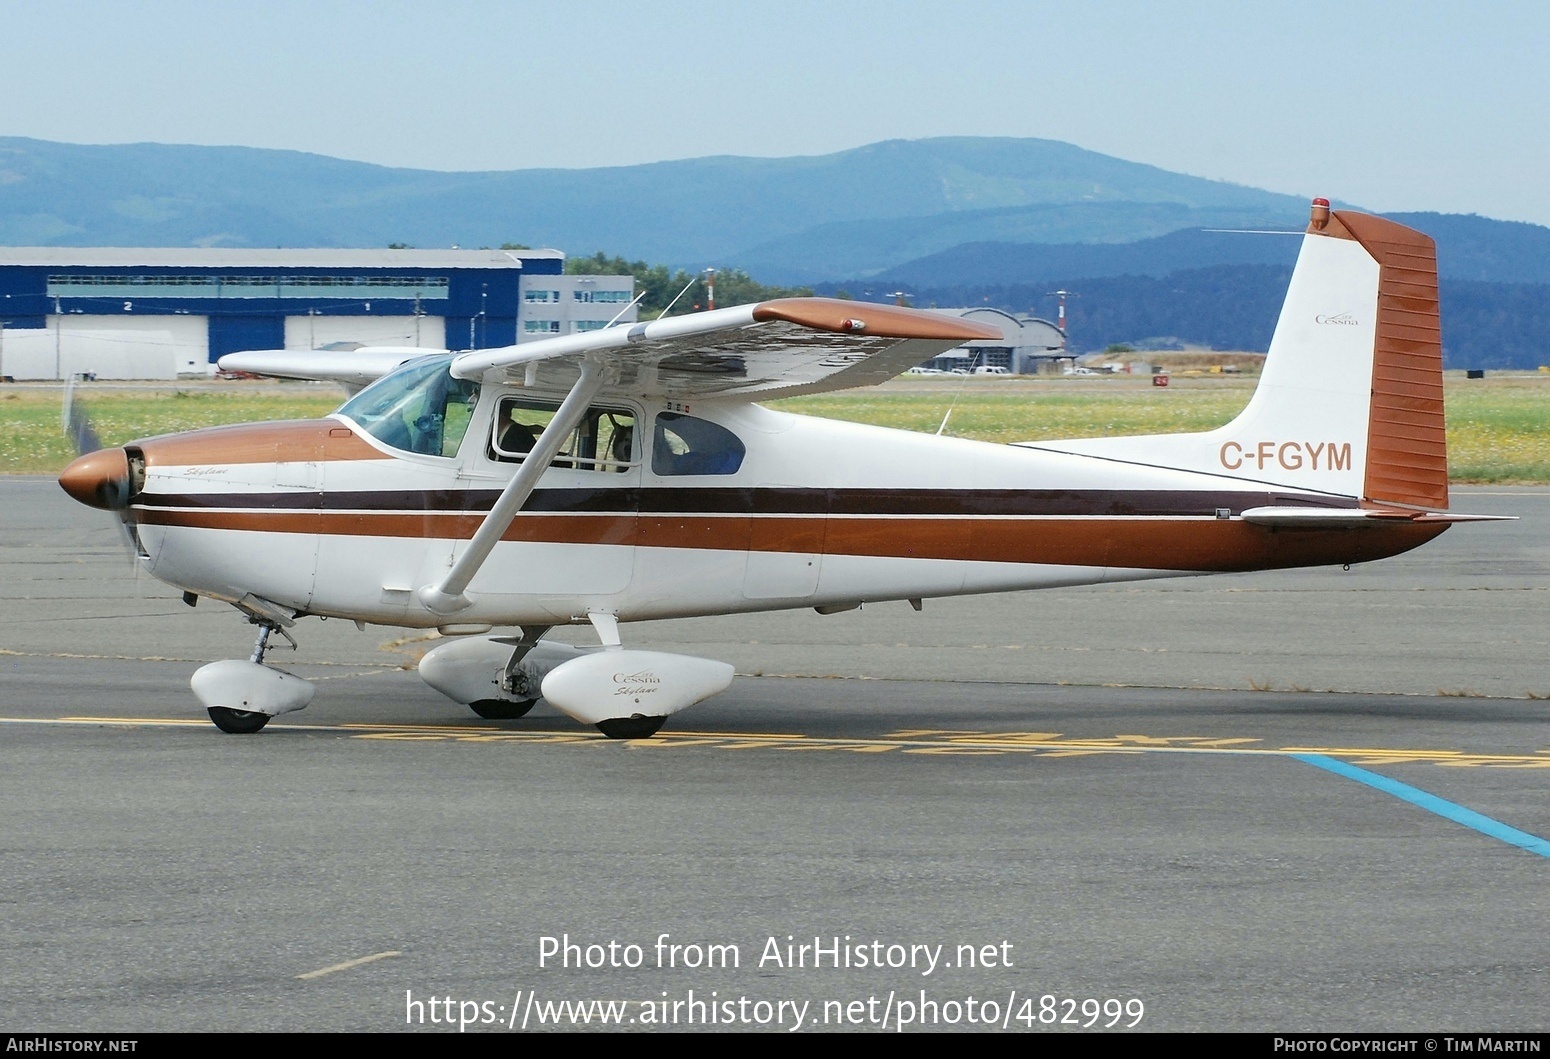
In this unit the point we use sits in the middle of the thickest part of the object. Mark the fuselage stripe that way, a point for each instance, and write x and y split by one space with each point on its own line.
1158 543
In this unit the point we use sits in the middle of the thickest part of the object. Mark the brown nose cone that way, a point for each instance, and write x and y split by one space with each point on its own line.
99 479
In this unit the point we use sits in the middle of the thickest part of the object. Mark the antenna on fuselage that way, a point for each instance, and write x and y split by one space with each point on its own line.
951 406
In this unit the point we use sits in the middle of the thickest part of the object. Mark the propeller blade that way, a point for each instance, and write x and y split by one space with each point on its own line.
83 436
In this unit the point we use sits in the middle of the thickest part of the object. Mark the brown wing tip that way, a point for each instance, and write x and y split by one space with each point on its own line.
871 319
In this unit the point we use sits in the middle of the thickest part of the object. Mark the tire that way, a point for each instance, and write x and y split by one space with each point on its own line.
237 722
502 709
636 727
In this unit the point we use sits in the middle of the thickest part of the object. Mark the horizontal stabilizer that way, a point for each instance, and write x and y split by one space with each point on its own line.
1353 517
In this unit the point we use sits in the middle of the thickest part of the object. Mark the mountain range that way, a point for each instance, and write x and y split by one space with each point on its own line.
829 216
962 217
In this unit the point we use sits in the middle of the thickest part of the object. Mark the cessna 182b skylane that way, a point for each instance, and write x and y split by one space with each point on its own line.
627 474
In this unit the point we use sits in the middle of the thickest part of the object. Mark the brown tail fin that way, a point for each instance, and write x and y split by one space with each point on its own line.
1407 452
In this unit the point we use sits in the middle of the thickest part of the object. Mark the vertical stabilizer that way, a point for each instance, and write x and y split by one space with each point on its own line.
1350 400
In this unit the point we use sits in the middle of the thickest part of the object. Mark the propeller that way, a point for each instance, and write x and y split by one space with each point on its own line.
100 477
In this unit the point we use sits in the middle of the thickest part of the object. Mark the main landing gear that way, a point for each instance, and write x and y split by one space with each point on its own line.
636 727
518 685
498 677
237 722
625 694
501 710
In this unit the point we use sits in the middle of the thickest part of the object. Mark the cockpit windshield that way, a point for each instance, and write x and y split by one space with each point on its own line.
418 408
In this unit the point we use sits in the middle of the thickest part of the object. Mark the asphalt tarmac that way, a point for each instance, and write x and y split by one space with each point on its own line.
1295 801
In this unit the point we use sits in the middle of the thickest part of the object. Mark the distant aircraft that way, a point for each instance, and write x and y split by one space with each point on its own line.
628 474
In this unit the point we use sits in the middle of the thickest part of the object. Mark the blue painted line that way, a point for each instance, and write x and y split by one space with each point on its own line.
1431 803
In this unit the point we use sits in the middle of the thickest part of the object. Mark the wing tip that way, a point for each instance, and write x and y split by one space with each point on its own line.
869 318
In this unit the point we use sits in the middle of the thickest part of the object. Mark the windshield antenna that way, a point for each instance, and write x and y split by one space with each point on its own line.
663 314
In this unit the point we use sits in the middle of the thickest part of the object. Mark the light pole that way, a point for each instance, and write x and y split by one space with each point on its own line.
1060 320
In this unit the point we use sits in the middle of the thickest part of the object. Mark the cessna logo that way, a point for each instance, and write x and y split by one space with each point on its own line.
1289 455
643 683
1344 319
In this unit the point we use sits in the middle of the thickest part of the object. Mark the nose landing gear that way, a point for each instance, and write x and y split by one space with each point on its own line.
240 697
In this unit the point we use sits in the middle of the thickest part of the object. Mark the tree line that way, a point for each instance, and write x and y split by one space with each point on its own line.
659 285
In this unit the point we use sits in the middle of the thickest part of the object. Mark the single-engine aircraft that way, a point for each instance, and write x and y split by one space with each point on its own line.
628 474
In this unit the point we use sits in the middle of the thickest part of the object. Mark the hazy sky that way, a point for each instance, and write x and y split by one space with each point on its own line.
1395 106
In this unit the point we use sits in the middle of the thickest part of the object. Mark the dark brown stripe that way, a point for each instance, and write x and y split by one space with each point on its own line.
695 501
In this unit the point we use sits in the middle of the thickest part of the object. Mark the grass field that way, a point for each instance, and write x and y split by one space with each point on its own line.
1498 428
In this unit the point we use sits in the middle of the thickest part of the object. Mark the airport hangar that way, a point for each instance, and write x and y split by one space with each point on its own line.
162 312
1028 344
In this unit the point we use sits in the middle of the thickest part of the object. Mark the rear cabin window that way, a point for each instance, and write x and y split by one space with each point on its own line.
604 440
686 445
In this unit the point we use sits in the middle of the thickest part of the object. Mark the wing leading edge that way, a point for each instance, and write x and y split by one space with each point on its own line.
778 348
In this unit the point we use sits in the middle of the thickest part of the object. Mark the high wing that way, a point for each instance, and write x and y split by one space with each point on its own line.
777 348
353 369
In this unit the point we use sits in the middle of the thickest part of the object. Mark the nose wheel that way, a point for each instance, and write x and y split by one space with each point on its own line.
246 722
240 697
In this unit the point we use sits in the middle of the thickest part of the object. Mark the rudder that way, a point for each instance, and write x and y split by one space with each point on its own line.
1407 449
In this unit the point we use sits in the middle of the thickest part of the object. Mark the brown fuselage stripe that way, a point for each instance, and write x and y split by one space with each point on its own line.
761 501
1205 545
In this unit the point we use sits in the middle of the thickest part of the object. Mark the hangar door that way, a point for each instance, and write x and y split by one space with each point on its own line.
315 332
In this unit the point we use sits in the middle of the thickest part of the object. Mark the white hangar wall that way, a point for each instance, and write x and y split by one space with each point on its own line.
110 347
315 332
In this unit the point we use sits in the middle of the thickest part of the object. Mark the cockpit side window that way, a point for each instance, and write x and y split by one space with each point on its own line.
604 440
418 408
688 445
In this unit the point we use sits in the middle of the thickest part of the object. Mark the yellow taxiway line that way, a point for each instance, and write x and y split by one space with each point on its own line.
926 741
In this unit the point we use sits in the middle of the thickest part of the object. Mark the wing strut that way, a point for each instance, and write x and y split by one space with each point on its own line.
450 596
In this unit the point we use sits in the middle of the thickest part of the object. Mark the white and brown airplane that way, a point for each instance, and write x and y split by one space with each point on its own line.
628 474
